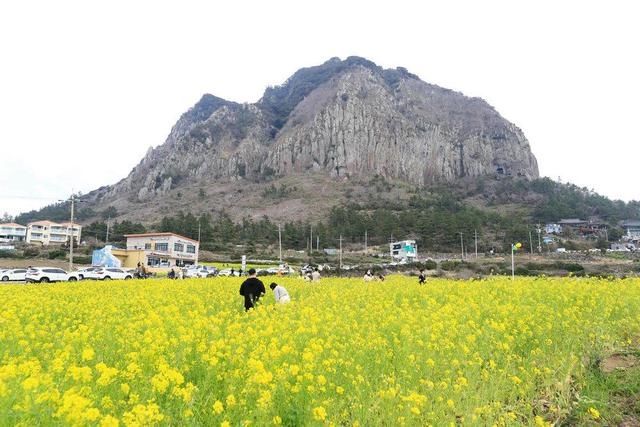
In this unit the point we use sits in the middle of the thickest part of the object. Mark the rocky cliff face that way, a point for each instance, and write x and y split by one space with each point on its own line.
345 118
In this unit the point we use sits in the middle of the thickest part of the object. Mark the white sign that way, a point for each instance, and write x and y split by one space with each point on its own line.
244 264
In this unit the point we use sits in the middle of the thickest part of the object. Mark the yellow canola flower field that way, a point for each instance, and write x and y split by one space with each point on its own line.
343 352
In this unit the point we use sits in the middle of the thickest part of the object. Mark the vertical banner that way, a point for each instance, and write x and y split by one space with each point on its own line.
244 264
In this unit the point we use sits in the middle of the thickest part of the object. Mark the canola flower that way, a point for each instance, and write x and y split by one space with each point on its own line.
344 352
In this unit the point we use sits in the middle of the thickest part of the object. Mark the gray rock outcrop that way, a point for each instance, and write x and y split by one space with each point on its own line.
346 118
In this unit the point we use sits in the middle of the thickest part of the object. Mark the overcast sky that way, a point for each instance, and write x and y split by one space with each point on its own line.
86 87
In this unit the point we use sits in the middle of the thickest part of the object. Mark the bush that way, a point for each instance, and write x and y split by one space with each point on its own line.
57 254
428 265
31 252
86 260
8 254
522 271
569 266
450 265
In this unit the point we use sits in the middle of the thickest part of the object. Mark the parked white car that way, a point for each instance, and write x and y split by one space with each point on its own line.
106 273
201 271
89 273
49 274
17 274
227 272
281 269
115 273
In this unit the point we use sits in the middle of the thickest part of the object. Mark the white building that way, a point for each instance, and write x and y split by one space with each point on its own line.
52 233
164 249
12 232
406 250
631 229
553 229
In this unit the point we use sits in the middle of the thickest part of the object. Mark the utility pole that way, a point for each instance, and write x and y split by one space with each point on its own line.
198 251
341 252
461 246
311 240
475 235
71 235
513 262
317 243
280 243
365 242
530 242
391 247
539 242
106 239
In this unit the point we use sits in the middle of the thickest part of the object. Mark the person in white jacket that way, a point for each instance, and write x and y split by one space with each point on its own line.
280 293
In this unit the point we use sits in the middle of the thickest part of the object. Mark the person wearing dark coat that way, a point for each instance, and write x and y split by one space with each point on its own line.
252 289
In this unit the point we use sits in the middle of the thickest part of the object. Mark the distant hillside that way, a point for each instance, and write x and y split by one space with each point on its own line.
499 210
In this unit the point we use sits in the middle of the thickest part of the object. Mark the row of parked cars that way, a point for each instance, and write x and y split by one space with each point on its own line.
38 274
52 274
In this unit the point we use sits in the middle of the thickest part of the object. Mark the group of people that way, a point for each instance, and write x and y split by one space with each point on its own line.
141 272
369 276
312 276
253 289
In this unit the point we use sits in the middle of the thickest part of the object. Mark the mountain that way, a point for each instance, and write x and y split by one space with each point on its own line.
341 121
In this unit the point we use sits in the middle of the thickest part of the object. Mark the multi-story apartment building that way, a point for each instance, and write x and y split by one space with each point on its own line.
164 249
12 232
52 233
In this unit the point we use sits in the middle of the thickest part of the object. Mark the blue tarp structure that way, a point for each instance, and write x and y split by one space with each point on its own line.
104 258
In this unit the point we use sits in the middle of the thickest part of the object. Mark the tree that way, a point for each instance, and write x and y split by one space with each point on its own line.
110 212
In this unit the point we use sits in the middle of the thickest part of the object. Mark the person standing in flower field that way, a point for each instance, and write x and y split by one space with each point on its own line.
422 278
280 293
315 276
252 289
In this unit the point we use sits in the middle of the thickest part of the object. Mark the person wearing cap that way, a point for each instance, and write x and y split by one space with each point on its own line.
280 293
252 289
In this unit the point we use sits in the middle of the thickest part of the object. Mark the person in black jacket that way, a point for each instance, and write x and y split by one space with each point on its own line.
252 289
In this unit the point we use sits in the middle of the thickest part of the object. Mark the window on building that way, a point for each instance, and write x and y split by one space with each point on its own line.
191 249
147 245
164 247
178 247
